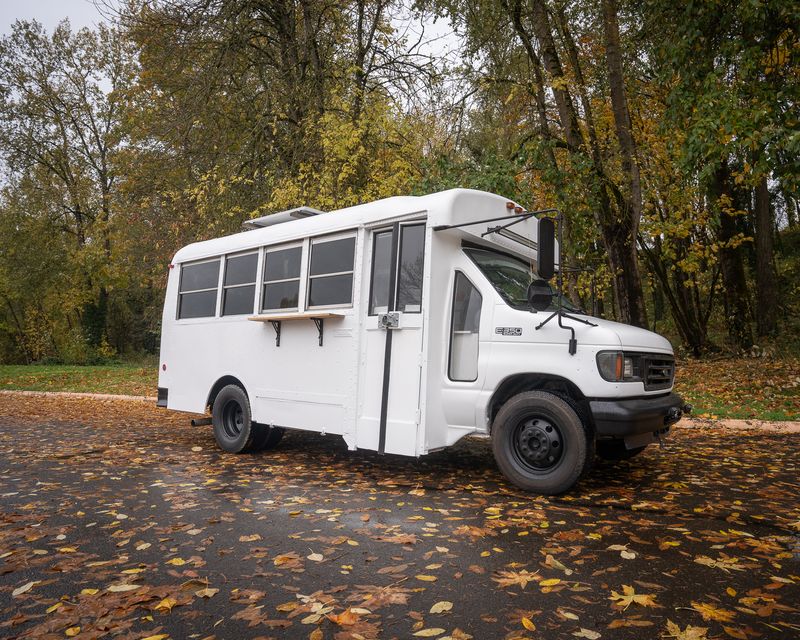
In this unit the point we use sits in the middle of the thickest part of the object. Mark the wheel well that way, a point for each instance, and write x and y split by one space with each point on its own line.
556 385
224 381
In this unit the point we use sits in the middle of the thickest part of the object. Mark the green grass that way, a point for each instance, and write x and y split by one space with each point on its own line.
749 388
126 379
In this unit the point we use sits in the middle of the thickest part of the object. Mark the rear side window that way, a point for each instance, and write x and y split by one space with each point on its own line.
281 279
464 330
239 286
197 293
330 275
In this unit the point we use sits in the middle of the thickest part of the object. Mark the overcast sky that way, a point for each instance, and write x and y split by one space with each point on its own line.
81 13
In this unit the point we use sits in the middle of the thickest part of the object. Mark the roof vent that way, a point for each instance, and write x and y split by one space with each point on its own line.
279 218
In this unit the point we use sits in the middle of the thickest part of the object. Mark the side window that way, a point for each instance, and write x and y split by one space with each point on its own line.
412 262
197 292
239 286
381 268
330 275
281 279
466 322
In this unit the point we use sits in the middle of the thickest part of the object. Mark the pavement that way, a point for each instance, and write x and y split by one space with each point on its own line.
121 520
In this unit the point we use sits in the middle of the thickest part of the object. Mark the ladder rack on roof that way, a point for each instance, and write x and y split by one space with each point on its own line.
277 218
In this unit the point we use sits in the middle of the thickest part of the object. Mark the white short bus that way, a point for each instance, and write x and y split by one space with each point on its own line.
404 325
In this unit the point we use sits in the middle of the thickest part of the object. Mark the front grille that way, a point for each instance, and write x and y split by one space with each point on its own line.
659 372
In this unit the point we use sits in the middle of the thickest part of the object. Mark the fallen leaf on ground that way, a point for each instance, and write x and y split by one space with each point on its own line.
441 607
629 596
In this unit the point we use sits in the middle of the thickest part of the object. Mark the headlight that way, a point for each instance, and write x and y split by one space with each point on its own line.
615 366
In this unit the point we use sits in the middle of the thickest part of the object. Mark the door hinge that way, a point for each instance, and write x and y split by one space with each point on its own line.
389 320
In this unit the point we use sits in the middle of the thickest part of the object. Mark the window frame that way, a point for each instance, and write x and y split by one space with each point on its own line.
403 226
451 332
308 277
375 233
224 288
262 298
215 288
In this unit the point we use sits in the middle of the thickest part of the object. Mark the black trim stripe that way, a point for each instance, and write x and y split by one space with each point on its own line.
387 357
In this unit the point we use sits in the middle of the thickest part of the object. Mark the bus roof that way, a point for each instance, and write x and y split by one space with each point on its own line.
452 207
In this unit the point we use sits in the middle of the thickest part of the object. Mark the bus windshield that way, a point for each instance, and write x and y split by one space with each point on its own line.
510 277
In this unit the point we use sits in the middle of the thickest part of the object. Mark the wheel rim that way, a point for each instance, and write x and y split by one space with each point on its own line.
538 444
232 419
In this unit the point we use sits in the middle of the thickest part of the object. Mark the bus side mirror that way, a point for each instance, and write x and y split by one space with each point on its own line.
546 259
540 295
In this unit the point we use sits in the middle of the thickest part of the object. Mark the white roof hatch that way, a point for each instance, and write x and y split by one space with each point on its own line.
277 218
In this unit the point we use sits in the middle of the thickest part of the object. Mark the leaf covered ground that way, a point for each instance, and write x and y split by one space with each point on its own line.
121 520
763 388
767 389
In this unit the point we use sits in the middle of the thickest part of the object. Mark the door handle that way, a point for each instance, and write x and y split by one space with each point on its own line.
389 320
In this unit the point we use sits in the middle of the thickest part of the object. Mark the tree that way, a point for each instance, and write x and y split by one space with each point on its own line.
60 106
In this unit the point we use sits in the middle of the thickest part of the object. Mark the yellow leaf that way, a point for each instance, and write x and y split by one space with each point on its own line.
689 633
528 624
710 612
158 636
57 605
178 562
425 578
429 633
316 634
24 588
72 632
120 588
629 597
441 607
67 549
550 582
251 538
132 571
166 604
89 592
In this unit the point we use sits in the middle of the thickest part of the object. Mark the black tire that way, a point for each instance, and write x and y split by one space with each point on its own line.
614 450
234 431
540 443
266 437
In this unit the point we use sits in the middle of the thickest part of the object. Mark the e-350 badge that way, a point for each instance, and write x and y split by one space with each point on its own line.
508 331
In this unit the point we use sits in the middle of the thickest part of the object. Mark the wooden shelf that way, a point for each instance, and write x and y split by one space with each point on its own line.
275 320
307 315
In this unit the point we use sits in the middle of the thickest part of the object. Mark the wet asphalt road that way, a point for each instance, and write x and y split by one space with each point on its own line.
130 523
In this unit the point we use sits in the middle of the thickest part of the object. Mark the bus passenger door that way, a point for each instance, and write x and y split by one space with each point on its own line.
391 345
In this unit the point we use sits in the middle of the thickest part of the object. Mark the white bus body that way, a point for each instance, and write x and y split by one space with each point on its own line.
382 324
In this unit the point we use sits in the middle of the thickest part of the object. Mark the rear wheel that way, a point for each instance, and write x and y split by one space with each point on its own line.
614 450
234 431
266 437
540 443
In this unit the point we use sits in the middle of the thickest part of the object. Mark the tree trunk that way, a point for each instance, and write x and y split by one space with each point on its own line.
730 258
766 293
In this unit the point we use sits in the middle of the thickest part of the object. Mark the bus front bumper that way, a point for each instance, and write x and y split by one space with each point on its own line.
622 418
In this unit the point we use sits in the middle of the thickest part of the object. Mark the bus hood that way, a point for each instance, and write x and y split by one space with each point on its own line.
606 333
632 338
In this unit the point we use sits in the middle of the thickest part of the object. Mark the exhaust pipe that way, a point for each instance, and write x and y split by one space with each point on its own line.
199 422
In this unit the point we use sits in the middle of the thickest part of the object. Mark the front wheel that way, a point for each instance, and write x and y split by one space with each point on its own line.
540 443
